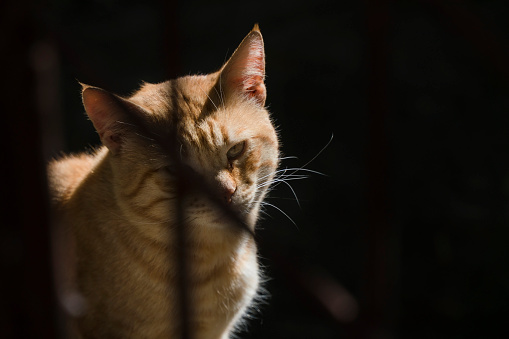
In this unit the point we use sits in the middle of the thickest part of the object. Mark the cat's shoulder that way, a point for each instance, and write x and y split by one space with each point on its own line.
67 172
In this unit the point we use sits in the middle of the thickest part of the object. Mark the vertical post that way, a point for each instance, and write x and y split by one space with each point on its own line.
171 41
377 275
171 52
26 290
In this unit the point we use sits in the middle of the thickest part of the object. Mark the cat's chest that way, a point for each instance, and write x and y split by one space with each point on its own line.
142 281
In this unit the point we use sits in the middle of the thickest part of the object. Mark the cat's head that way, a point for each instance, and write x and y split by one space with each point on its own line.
209 136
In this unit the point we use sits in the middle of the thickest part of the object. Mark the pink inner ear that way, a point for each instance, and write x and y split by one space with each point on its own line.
246 69
253 86
98 106
255 89
249 83
104 111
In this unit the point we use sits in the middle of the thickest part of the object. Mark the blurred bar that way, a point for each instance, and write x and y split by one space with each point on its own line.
28 302
377 292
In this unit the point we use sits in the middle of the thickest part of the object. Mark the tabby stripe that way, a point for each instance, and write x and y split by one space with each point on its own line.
165 185
267 163
267 139
148 240
212 132
217 272
145 214
138 186
224 132
148 206
157 270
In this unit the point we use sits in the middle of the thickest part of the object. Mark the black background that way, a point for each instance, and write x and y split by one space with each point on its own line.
404 236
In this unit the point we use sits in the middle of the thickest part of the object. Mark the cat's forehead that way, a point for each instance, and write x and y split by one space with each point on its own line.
201 114
214 131
178 99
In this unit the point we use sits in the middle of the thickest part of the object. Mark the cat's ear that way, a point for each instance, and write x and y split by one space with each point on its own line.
245 70
108 113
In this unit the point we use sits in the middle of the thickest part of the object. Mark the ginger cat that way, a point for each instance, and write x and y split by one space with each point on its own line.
160 219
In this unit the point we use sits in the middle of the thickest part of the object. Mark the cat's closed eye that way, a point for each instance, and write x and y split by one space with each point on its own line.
236 151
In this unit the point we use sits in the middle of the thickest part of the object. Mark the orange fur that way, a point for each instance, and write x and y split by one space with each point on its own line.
120 204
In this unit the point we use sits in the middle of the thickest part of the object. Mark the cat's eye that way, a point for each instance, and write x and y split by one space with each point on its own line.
236 151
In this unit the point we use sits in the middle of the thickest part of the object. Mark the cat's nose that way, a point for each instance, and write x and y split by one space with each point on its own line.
227 186
228 194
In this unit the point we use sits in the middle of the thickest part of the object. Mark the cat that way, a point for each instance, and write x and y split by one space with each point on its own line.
158 222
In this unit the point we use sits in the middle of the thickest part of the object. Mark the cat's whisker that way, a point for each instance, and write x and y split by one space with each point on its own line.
302 168
288 157
265 213
221 83
212 101
281 175
294 169
219 95
297 169
292 177
284 198
316 156
289 178
264 203
281 178
222 97
276 181
291 188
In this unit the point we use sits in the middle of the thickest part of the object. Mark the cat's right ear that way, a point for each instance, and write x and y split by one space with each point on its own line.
107 112
244 72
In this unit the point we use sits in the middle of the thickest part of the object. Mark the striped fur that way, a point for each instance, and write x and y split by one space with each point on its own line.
167 146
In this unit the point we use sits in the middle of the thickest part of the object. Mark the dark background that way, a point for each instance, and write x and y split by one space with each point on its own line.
406 234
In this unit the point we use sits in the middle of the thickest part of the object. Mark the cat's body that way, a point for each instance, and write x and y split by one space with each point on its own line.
196 152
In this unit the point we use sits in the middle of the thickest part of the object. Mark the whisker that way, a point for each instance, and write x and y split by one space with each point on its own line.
294 169
219 92
265 213
282 176
276 181
320 152
285 198
302 168
210 98
264 203
289 157
291 188
287 177
221 83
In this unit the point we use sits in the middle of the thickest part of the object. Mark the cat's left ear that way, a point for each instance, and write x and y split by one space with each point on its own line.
111 115
245 71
